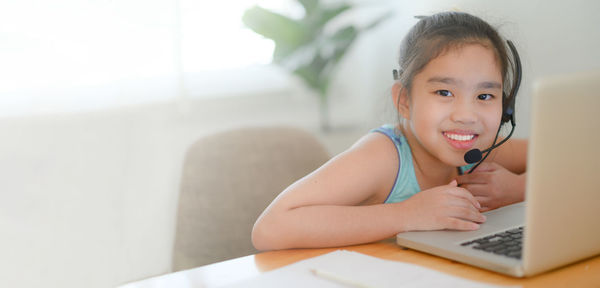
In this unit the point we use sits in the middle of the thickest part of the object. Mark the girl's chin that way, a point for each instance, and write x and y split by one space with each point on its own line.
456 161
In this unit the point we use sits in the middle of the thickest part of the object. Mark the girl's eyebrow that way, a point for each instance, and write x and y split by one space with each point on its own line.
443 80
453 81
489 85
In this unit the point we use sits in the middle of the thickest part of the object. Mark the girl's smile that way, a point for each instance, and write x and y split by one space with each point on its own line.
461 139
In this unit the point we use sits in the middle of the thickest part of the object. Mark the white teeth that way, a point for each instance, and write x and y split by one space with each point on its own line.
458 137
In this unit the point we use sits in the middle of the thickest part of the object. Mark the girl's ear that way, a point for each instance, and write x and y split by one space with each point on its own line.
401 101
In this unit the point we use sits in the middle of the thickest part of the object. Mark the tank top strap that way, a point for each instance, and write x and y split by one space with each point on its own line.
406 184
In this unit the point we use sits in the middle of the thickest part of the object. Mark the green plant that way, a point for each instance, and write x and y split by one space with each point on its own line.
304 46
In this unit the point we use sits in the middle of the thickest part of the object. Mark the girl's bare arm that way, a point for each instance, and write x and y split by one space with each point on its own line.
329 200
512 155
341 203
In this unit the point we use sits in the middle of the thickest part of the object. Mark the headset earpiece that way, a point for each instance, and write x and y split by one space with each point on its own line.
509 110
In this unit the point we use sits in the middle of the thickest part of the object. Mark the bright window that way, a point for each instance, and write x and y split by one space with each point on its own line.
72 54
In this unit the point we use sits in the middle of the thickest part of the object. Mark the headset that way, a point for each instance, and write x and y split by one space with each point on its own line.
508 111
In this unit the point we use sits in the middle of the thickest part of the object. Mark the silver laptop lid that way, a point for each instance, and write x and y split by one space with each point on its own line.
563 181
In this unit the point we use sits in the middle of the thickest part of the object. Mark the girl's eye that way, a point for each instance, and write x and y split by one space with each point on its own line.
485 96
444 93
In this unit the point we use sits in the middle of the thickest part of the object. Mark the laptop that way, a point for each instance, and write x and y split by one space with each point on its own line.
557 223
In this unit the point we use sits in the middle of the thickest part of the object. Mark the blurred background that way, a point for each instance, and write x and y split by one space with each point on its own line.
99 101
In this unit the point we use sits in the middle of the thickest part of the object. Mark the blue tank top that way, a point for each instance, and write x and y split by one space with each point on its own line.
406 184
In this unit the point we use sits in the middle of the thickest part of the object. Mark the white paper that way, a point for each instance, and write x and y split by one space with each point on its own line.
357 268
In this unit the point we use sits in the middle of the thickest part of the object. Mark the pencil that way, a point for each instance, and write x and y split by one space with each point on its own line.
338 279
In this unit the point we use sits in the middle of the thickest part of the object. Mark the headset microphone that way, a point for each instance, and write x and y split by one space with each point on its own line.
476 155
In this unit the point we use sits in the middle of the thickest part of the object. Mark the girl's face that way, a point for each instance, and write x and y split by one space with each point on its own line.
455 104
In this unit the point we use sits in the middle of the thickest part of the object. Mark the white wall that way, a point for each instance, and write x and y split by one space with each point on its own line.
88 199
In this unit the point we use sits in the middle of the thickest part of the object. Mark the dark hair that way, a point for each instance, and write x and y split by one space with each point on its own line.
435 34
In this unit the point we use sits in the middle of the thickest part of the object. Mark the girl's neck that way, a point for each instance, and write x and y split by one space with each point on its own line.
429 170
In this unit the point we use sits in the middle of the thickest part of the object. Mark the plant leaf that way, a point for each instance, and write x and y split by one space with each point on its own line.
343 40
310 6
314 73
287 33
322 16
302 46
309 76
315 62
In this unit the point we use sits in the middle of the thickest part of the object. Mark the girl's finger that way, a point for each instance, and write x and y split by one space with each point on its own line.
468 214
486 167
477 190
465 194
473 178
459 224
483 200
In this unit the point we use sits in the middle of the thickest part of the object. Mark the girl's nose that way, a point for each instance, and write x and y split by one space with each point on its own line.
463 112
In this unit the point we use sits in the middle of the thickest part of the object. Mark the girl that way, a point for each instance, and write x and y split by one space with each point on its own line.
449 95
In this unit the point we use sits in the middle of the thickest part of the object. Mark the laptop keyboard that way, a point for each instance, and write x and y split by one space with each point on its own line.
507 243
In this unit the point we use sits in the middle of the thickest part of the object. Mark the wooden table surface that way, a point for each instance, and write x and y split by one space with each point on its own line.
581 274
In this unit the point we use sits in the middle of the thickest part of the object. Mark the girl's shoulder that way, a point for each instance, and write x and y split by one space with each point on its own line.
364 173
377 155
377 150
392 132
380 141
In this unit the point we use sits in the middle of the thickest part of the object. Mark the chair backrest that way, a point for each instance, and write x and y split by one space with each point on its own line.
228 179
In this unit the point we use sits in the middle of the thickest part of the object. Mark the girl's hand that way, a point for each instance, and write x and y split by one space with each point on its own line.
444 207
494 186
